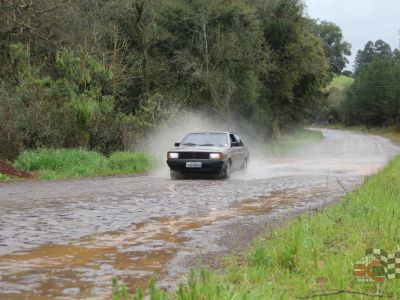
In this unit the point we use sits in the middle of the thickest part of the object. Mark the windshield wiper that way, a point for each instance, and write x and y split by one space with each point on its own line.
207 145
189 144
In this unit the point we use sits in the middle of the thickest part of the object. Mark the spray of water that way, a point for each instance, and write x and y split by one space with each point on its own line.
339 153
163 139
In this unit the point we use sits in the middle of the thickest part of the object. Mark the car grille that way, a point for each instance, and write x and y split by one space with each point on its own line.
194 155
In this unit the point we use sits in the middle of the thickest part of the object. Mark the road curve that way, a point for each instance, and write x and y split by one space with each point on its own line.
67 239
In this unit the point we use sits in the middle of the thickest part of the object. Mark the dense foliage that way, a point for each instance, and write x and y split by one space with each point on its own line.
334 46
101 74
374 98
330 108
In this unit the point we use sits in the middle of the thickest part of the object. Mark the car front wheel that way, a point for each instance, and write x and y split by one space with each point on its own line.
176 175
226 171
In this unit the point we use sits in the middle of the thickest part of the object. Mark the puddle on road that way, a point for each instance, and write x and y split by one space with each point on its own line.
84 268
57 212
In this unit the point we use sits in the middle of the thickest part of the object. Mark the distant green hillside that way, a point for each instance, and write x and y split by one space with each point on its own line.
341 82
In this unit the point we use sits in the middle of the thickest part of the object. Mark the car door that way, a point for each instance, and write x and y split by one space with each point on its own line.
235 152
242 151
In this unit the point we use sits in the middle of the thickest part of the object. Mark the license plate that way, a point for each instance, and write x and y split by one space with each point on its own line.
193 165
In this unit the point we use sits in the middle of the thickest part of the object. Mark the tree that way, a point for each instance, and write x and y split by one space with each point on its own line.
336 50
215 50
373 99
370 52
113 70
297 70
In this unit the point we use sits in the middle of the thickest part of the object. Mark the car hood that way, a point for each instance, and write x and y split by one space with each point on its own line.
199 149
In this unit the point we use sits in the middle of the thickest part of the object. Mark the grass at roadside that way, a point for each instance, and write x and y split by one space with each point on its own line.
312 255
287 143
69 163
4 177
341 82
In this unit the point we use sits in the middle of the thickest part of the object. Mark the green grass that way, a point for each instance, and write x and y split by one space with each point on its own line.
341 82
312 254
286 143
4 177
130 162
69 163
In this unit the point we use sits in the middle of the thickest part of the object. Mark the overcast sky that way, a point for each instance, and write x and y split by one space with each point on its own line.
360 20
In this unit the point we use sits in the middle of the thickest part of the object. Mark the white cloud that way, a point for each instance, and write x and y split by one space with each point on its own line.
360 20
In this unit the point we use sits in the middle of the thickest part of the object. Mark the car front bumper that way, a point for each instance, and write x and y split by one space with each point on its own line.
207 165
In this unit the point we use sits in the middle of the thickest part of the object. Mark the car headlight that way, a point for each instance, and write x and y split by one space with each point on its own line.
216 156
172 155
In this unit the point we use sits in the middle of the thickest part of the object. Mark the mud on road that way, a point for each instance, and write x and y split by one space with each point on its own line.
68 239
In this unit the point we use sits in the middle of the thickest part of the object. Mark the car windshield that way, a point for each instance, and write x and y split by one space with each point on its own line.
206 139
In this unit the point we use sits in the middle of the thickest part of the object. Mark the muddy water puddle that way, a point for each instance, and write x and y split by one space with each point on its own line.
68 239
84 268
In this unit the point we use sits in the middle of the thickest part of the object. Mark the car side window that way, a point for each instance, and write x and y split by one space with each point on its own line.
238 139
233 140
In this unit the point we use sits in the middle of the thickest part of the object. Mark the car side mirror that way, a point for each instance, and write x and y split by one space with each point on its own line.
235 144
177 144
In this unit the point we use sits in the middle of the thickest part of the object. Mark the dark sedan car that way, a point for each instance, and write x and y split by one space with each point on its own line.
219 153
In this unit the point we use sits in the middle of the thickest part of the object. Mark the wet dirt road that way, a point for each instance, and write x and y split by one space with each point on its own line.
67 239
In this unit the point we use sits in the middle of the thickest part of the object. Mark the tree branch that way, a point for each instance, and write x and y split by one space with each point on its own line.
50 9
33 32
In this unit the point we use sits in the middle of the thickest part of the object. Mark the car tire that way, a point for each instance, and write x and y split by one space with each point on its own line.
226 171
176 175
